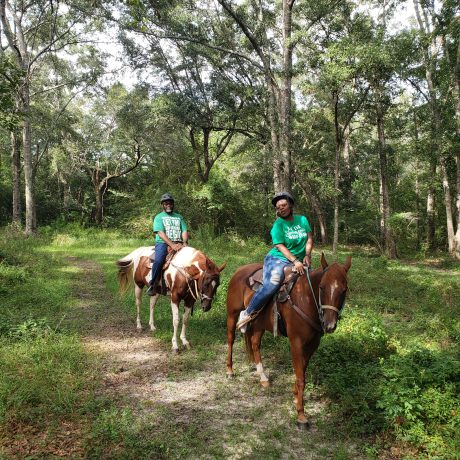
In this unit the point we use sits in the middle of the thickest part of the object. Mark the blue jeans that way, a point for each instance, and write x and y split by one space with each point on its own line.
273 279
161 251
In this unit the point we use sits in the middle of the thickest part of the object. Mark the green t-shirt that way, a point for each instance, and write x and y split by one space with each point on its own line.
293 234
172 224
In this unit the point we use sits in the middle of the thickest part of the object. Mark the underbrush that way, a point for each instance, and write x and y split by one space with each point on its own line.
46 377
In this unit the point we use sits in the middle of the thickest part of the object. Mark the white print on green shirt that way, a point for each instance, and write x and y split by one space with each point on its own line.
293 233
172 228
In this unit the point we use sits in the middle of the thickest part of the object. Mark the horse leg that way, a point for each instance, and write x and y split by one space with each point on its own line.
175 314
138 295
301 355
187 310
232 319
256 338
299 364
153 301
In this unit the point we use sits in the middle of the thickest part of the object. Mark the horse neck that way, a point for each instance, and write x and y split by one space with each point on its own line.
305 299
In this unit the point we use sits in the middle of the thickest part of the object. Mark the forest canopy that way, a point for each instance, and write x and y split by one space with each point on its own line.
354 107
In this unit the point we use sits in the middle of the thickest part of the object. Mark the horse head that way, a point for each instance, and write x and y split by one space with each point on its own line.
210 281
207 279
332 291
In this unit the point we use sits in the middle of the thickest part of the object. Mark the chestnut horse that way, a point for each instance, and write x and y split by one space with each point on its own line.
190 276
311 309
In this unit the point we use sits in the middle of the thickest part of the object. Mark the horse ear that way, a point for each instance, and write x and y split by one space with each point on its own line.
222 266
324 263
347 263
193 271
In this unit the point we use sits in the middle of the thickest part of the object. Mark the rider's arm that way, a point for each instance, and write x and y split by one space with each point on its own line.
308 249
185 237
286 253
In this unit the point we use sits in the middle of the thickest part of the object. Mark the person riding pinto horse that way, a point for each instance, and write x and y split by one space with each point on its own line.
170 231
293 243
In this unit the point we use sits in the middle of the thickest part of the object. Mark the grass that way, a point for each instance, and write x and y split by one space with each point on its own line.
386 381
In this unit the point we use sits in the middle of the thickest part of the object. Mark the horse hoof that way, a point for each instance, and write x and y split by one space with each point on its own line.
303 426
265 383
175 351
230 375
187 346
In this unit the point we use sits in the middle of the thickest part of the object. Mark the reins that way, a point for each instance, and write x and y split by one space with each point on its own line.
319 307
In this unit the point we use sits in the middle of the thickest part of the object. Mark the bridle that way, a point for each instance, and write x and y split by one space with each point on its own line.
193 284
319 306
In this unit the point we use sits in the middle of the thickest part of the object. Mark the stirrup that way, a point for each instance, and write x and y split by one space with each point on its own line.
245 321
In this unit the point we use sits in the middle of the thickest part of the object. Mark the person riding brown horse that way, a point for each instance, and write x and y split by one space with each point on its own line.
309 307
293 243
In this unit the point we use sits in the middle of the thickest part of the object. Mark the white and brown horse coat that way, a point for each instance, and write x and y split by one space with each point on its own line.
190 276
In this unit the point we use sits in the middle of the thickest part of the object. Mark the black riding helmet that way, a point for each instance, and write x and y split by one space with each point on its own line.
282 196
166 197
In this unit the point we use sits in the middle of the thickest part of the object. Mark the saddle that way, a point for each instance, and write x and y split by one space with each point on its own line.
255 282
171 254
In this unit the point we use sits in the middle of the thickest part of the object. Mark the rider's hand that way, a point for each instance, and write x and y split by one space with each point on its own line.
298 265
307 261
177 246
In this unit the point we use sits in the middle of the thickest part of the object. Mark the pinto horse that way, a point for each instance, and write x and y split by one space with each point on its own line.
309 310
190 276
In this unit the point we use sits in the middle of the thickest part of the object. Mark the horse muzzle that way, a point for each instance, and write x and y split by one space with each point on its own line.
330 327
206 305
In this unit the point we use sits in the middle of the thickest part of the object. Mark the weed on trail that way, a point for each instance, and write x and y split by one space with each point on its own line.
384 385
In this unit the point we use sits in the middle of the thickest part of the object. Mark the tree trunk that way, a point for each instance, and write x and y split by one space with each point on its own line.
448 206
16 177
31 225
417 185
430 206
457 233
338 148
99 211
457 156
279 102
388 241
317 208
346 180
282 171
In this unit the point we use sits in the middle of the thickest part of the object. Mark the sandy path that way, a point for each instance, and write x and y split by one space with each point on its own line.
140 372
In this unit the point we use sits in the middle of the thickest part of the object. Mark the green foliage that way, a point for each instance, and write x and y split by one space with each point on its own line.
9 86
43 375
118 434
419 398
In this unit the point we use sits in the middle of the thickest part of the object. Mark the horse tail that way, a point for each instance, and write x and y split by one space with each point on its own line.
247 340
125 274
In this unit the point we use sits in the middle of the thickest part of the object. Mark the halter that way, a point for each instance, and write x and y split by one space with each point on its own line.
319 306
197 294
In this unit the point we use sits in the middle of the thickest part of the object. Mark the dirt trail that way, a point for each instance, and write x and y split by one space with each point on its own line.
221 418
